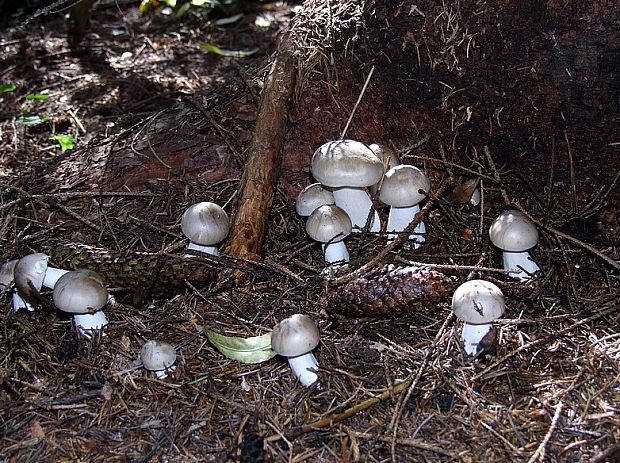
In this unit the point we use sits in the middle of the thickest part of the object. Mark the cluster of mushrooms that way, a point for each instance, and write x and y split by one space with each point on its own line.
336 206
340 203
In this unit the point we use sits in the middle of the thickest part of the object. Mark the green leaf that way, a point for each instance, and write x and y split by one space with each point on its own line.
209 47
255 349
37 97
5 88
230 20
65 142
32 120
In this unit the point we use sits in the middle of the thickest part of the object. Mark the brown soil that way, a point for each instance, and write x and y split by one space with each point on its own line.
523 97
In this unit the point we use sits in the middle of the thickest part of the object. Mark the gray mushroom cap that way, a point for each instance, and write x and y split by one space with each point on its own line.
311 197
387 155
29 270
402 185
294 336
346 163
205 223
513 231
477 302
7 274
157 355
328 223
79 292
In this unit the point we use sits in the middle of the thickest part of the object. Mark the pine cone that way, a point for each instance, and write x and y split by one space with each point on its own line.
390 291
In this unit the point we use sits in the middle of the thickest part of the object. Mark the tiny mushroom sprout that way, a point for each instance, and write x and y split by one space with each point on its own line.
311 198
514 233
477 303
83 294
205 224
389 158
31 273
294 338
348 167
159 357
330 225
403 188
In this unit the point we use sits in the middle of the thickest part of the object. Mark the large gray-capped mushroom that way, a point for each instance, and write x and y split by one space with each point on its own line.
330 225
388 157
31 273
477 303
403 188
294 338
348 167
312 197
83 294
205 224
159 357
514 233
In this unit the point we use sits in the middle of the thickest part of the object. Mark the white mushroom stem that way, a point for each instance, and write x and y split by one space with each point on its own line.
87 323
20 303
472 335
52 275
475 197
357 204
163 374
335 252
213 250
522 264
399 218
302 367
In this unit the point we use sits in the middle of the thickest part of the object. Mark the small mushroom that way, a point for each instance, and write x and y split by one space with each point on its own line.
348 167
83 294
330 225
7 283
388 156
31 273
205 224
312 197
403 188
294 338
477 303
159 357
514 233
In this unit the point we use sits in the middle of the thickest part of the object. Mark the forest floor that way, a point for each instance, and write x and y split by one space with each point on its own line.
158 124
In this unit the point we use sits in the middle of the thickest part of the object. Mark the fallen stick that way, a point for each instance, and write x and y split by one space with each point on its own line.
258 183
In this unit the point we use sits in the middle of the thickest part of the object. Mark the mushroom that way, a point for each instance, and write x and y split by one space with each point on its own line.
205 224
83 294
7 283
294 338
477 303
312 197
514 233
31 273
159 357
403 188
330 225
348 167
388 157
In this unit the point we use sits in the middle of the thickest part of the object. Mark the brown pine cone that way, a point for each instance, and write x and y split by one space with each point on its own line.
390 291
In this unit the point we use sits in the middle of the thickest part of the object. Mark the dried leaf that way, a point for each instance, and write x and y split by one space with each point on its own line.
255 349
209 47
462 193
